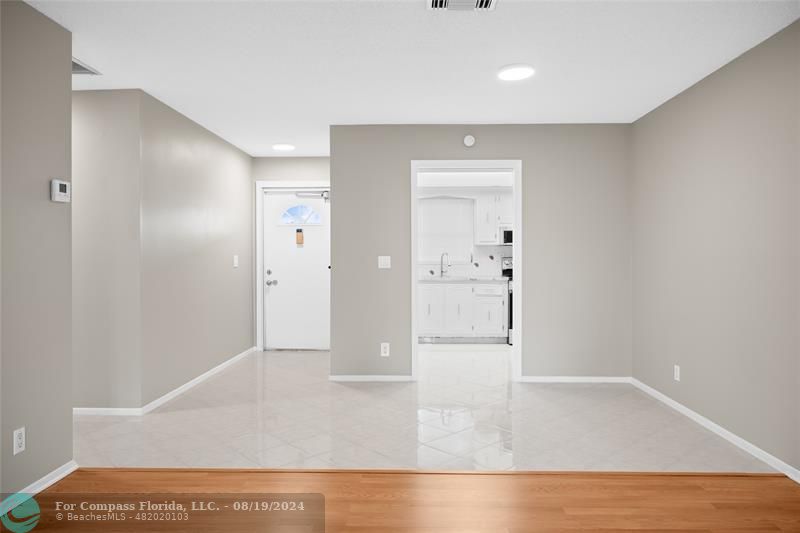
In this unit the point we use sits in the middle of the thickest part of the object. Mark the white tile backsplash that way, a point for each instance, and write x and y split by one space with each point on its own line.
487 259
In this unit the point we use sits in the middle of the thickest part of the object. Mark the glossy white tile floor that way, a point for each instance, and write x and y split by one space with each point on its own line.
279 410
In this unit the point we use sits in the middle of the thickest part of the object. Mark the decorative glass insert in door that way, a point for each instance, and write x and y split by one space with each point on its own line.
300 215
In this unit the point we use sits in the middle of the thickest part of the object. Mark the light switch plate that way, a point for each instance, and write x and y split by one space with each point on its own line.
235 261
384 261
676 373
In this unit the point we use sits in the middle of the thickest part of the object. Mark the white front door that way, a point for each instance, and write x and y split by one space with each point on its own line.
297 253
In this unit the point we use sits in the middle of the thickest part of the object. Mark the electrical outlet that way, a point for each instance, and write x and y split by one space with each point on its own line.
19 440
384 261
385 351
676 373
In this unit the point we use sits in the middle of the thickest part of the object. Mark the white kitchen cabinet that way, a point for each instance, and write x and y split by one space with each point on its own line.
486 224
490 316
458 310
452 309
505 208
430 309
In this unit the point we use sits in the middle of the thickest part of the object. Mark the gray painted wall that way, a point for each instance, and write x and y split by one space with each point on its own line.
577 275
197 212
160 302
716 235
292 168
106 262
36 244
2 435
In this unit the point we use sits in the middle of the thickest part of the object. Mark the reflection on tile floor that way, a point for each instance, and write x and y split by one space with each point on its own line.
279 410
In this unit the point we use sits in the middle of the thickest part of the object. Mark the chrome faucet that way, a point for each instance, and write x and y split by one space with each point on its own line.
441 263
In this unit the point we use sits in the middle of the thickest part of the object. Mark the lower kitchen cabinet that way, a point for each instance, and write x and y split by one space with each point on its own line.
490 316
462 310
430 308
458 310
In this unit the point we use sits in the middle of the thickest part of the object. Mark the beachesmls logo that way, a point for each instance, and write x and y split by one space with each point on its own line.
22 518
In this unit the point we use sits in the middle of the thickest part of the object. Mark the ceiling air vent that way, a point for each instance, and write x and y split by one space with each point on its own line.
83 68
462 5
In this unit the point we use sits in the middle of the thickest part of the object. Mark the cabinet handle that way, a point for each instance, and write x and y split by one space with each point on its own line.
459 309
429 309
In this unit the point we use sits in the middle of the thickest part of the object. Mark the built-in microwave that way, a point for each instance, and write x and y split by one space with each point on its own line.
508 236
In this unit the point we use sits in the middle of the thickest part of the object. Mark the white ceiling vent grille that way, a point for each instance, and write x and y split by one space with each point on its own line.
462 5
82 68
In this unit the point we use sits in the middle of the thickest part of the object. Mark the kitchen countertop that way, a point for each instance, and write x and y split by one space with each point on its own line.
463 279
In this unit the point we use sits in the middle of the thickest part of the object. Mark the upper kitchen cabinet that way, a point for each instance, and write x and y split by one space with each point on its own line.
486 226
492 210
505 209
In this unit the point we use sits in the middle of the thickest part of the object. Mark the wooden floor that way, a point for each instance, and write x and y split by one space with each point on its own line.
378 502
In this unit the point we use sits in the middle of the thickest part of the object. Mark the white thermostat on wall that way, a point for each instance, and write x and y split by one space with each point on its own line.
60 191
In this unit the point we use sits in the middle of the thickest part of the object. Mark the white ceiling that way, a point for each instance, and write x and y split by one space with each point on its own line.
259 73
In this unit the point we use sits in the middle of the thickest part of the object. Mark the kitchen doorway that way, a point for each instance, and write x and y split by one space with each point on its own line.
293 270
466 247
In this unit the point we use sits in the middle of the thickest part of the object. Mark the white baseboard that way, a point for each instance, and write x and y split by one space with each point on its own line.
367 378
738 441
749 447
37 486
199 379
745 445
574 379
158 402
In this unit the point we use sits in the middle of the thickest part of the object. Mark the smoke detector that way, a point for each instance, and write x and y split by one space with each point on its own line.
462 5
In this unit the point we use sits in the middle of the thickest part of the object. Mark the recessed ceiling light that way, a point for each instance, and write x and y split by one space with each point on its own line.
515 72
283 147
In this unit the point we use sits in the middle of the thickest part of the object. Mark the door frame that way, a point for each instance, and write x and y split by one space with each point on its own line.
512 165
261 187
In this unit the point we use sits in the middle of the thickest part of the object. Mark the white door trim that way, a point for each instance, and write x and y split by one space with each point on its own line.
513 165
263 186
